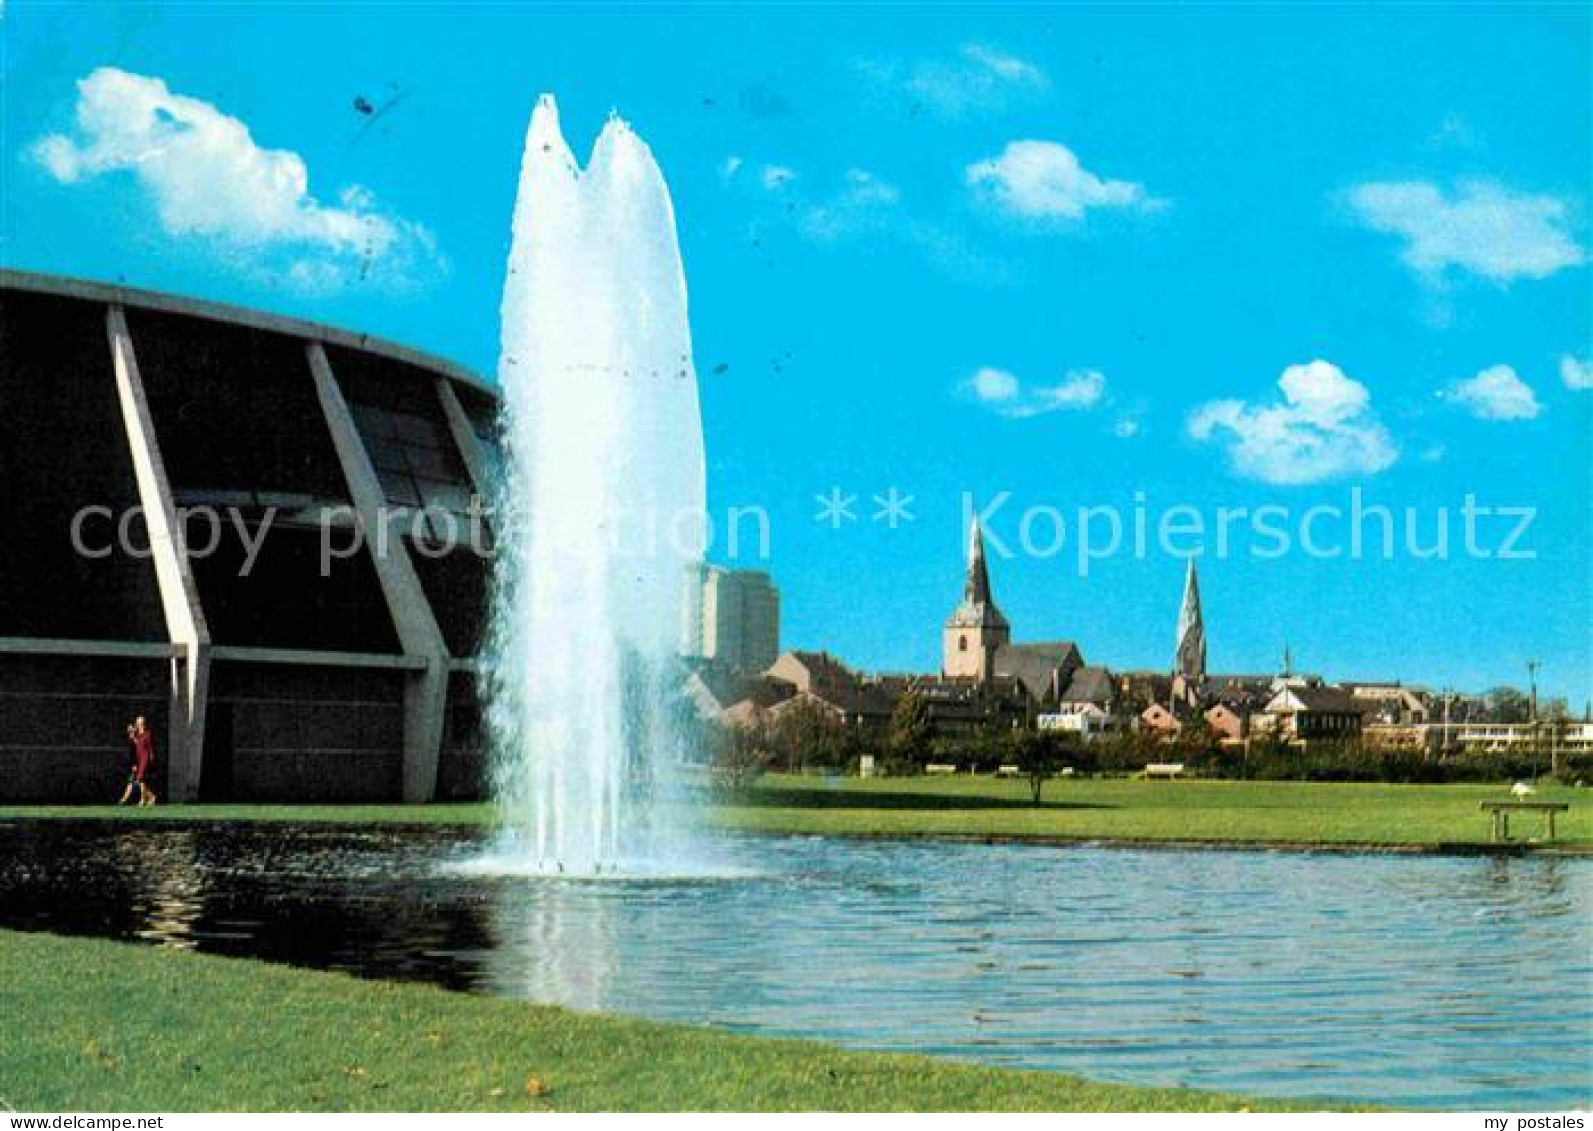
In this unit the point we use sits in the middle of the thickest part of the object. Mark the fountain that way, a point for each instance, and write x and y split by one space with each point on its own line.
603 495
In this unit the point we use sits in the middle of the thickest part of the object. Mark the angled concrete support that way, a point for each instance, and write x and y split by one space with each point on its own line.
179 596
425 690
465 438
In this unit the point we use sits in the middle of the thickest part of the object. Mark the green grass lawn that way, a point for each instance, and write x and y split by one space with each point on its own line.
91 1025
1295 813
1306 813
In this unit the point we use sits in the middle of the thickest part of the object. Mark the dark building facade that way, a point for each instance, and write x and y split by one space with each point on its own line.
261 534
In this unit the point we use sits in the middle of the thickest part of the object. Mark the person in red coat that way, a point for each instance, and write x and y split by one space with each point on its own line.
143 740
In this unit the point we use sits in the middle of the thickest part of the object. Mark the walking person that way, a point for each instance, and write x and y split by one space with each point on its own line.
143 740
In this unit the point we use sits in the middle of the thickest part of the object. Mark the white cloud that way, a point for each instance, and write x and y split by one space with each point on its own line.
1481 227
977 77
1003 393
994 385
1126 428
1043 180
864 201
860 204
1576 372
1004 66
1324 428
1495 394
209 180
1454 132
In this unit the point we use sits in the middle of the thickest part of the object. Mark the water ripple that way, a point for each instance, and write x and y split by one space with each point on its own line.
1417 981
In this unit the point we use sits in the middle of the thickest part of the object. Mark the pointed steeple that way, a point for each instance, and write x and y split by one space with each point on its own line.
977 585
976 630
978 607
1190 658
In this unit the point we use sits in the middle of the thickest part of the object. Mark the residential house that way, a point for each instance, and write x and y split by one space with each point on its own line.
1302 714
1226 723
1159 719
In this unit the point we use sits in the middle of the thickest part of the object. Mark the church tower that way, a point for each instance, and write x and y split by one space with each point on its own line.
976 627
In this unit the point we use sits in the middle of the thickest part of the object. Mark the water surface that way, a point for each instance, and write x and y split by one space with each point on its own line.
1453 982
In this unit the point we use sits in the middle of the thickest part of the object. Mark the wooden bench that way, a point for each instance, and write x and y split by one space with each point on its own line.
1008 772
939 768
1501 811
1163 770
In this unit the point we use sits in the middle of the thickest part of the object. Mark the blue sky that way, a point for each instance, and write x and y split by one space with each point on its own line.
1206 257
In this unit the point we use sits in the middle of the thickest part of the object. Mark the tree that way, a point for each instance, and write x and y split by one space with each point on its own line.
1507 705
912 731
987 747
1195 738
1041 755
808 731
740 754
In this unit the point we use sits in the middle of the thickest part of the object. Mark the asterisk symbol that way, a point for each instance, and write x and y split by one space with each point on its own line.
893 508
835 508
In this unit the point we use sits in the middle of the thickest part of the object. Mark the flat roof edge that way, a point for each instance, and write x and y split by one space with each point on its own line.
95 291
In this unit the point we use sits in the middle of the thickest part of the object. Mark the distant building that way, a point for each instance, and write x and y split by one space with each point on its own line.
1082 718
732 616
1046 669
1227 723
814 673
977 645
819 679
1493 738
1158 720
1311 713
1137 690
1244 693
1389 703
960 706
715 691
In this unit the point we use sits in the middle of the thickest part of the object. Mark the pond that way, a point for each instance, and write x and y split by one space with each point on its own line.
1431 981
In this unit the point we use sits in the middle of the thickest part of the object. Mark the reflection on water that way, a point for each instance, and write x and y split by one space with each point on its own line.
1430 981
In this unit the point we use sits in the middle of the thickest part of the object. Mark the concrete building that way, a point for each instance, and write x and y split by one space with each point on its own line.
182 484
1492 738
731 616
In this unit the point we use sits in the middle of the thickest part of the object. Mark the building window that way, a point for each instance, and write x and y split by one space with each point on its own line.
962 644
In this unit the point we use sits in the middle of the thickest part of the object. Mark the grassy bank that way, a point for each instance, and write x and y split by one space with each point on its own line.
1293 813
100 1026
1298 813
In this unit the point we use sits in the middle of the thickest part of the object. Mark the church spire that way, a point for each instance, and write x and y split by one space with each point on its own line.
976 588
976 630
1190 661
